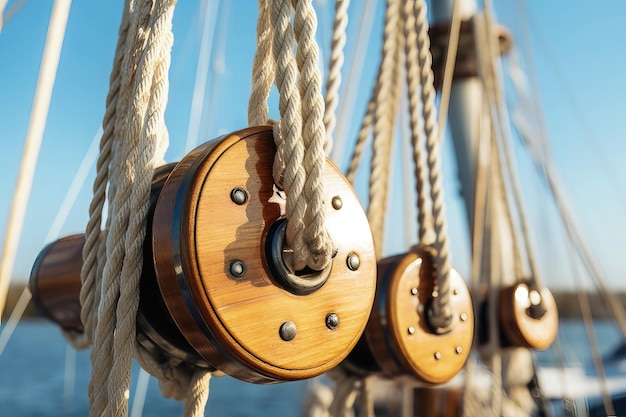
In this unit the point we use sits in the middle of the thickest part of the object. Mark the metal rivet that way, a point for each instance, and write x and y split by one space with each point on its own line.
353 261
458 350
455 292
332 321
287 331
411 330
336 202
414 291
237 268
239 196
437 355
463 316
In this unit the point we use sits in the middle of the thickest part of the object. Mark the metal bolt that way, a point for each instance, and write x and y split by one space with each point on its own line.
437 356
411 330
353 261
239 196
455 291
336 202
287 331
332 321
237 268
463 316
413 291
458 350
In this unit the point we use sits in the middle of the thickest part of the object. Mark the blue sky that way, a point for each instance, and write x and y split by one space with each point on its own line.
579 67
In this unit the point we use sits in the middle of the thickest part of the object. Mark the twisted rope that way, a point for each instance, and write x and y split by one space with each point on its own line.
333 82
442 312
300 134
424 215
133 143
263 69
383 120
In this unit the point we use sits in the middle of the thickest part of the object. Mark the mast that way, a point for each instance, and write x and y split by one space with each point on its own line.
469 119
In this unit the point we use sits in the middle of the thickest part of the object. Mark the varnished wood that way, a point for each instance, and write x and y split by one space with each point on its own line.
404 293
234 322
55 281
517 323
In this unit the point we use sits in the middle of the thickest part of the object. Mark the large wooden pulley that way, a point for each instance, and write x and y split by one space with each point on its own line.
55 284
399 339
223 267
529 316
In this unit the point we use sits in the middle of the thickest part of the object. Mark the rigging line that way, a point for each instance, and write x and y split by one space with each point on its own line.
14 318
580 116
68 202
448 67
139 399
487 73
218 67
549 176
69 379
347 104
202 71
34 136
585 311
77 184
6 13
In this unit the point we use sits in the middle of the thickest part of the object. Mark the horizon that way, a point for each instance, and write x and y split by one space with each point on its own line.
587 140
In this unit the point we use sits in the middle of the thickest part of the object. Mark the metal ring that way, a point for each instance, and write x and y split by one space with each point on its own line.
298 282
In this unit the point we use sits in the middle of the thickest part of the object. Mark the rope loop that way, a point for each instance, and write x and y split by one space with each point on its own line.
300 134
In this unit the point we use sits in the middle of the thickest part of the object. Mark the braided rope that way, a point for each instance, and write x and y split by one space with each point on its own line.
442 313
383 127
313 135
300 134
424 216
263 69
333 82
133 143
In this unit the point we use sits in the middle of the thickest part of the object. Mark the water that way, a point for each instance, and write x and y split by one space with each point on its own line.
32 380
32 370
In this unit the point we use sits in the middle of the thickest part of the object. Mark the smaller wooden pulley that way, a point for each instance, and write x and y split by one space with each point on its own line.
529 315
398 339
223 265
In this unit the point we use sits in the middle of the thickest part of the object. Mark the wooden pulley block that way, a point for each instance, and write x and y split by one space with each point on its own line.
222 265
529 315
399 339
55 284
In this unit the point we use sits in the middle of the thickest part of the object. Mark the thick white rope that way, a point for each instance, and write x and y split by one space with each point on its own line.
424 213
333 81
263 68
300 134
383 123
133 143
442 312
32 143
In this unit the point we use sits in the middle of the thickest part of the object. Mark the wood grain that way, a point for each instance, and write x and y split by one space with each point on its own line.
55 281
518 327
234 322
406 285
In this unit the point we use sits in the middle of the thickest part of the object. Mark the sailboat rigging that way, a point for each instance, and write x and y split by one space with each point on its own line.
287 296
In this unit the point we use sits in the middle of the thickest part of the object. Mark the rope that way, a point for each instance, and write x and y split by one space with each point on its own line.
383 123
333 82
424 215
442 312
263 69
300 134
32 143
133 142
